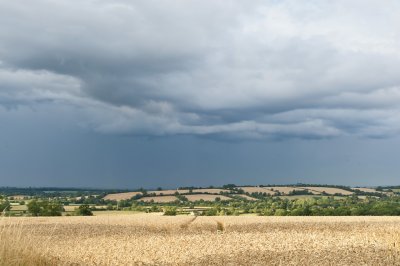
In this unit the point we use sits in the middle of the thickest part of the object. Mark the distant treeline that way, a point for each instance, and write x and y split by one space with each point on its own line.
52 192
55 191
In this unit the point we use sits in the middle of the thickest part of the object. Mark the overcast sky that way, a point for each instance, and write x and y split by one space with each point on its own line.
114 93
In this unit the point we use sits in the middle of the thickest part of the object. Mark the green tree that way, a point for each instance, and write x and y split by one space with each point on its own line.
170 211
84 210
34 208
5 205
211 212
45 208
54 208
280 212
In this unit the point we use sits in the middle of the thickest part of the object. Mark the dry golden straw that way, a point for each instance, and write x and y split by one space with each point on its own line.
149 239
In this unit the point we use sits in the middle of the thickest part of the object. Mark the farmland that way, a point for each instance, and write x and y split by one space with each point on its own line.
206 197
268 200
256 190
121 196
327 190
186 240
229 225
159 199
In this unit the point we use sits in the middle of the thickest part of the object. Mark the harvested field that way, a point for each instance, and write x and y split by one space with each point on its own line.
70 208
19 197
328 190
169 191
121 196
304 197
185 240
285 190
114 213
19 208
159 199
366 189
257 190
244 196
206 197
210 190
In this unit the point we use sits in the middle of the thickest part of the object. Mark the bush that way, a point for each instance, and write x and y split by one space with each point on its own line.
4 206
280 212
84 210
45 208
170 211
211 212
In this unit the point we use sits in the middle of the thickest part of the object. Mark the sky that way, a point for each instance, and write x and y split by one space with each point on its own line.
128 94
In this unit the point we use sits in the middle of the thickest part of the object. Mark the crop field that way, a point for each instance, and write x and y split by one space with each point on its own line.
150 239
121 196
285 190
210 190
19 207
257 190
168 191
245 197
328 190
308 197
20 197
159 199
248 191
206 197
70 208
365 189
128 195
113 213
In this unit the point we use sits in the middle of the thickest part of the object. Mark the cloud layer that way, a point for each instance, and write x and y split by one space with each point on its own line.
265 69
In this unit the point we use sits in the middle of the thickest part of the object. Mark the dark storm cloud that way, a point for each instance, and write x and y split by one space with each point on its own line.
274 69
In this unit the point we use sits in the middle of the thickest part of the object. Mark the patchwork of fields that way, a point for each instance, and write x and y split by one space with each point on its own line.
149 239
161 195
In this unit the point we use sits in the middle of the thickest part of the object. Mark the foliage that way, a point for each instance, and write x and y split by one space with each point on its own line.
4 205
45 208
229 186
170 211
181 197
84 210
287 206
360 203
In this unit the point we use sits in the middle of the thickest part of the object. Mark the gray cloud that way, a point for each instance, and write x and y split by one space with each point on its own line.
264 69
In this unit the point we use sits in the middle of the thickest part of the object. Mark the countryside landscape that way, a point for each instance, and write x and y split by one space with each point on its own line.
199 132
239 225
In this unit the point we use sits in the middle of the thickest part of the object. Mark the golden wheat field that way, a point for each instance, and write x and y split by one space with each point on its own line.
244 196
149 239
329 190
160 199
121 196
284 190
366 189
257 190
206 197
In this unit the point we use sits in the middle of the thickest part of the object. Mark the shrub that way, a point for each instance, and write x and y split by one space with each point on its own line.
170 211
4 206
45 208
211 212
84 210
